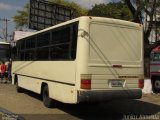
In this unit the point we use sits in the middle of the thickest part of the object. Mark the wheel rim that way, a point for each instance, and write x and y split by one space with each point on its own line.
157 84
45 95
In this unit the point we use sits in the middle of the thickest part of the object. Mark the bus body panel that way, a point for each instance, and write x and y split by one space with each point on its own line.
32 74
120 45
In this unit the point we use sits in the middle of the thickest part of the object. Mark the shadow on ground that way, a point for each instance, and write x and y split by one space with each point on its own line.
113 110
117 109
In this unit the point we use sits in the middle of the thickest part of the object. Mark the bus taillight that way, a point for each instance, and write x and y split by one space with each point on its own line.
85 81
85 84
141 83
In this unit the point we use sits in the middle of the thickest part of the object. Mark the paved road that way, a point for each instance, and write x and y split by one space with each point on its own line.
30 106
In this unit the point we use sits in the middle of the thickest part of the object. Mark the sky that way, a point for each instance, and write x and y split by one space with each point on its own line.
8 9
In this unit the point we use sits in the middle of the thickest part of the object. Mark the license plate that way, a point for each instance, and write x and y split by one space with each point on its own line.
116 83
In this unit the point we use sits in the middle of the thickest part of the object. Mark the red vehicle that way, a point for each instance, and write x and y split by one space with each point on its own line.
155 69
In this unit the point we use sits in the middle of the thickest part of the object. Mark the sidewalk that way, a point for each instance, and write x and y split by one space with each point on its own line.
147 89
7 115
5 82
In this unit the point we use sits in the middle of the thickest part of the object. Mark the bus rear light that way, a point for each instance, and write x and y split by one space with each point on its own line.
141 83
85 81
85 84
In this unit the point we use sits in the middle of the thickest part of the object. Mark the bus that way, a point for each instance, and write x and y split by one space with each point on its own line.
5 54
87 59
155 69
4 51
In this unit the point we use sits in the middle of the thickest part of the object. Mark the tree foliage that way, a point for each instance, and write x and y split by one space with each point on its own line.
77 8
21 19
140 7
111 10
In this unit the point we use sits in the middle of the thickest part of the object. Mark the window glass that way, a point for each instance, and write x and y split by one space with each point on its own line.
30 43
155 56
59 52
55 36
22 42
61 36
22 56
58 44
5 52
29 55
43 40
43 53
74 41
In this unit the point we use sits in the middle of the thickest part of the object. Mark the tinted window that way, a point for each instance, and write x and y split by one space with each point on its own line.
4 52
61 36
23 45
57 44
30 43
22 56
29 55
43 40
60 52
43 53
74 41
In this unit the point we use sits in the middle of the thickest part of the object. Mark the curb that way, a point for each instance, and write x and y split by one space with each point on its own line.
7 115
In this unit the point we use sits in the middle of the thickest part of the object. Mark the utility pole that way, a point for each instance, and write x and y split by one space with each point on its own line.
6 25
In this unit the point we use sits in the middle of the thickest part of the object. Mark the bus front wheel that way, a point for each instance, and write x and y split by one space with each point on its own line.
47 101
156 86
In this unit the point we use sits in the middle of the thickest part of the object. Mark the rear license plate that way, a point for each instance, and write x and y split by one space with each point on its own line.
116 83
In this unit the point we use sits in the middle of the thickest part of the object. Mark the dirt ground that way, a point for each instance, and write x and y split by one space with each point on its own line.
30 106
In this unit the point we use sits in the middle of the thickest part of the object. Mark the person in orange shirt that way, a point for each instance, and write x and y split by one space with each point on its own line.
3 70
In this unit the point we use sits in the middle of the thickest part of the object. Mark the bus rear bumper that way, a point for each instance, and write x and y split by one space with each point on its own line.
106 95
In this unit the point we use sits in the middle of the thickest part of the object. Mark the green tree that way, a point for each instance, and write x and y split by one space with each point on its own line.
148 8
138 8
21 19
79 11
111 10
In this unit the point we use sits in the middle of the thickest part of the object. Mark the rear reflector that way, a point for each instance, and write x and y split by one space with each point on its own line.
141 83
117 66
85 81
85 84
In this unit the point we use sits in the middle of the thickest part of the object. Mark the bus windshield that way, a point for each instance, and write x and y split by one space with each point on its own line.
155 56
4 52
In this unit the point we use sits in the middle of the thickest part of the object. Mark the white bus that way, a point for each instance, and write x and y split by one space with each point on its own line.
89 59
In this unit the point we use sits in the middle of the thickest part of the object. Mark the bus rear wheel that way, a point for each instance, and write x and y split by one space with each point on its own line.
47 101
156 86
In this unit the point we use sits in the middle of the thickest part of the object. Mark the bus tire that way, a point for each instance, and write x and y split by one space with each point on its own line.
47 101
18 89
156 86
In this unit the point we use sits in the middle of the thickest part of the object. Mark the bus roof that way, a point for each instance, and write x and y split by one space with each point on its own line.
101 19
1 42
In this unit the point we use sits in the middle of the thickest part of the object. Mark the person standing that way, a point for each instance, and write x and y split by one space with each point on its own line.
9 70
3 71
